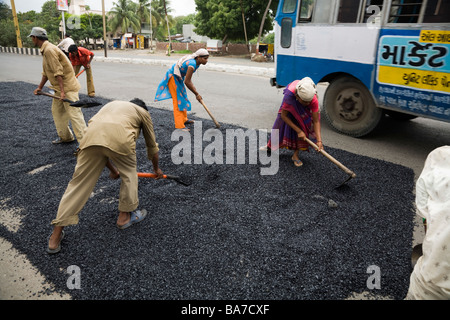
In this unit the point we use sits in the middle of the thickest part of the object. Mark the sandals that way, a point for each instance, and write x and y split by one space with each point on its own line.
297 163
136 216
58 248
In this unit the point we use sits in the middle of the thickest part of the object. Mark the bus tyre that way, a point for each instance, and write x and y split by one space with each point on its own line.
349 107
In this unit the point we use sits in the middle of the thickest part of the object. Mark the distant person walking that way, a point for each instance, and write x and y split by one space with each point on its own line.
174 84
79 57
58 70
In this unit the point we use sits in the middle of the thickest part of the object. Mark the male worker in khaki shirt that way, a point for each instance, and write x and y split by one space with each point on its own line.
111 135
59 71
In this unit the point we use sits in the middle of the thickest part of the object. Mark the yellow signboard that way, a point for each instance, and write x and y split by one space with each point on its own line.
435 36
420 79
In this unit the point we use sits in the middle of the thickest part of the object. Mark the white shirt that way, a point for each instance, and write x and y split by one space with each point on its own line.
433 203
65 44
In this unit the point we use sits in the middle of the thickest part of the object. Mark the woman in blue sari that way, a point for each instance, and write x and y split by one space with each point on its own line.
174 84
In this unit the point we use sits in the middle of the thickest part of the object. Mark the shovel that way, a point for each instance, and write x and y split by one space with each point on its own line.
80 73
166 176
340 165
82 103
210 114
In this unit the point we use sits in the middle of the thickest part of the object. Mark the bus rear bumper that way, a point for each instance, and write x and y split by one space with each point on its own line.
273 82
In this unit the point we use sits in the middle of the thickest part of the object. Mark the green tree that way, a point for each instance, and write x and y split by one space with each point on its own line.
159 14
5 12
143 12
222 19
88 26
28 17
123 16
50 19
8 34
180 21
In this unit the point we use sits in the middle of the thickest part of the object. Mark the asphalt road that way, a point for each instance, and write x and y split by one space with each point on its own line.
246 101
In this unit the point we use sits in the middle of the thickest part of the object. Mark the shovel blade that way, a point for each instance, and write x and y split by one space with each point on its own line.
348 179
85 103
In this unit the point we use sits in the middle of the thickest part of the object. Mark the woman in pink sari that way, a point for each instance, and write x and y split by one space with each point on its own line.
298 118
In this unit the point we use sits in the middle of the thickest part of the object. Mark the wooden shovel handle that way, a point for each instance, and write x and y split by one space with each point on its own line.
340 165
52 96
212 117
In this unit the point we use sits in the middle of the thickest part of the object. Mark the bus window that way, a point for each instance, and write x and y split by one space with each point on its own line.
286 32
348 11
437 11
289 6
322 11
405 11
358 11
306 10
367 12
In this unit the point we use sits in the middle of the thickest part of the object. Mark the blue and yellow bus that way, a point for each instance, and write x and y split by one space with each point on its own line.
377 56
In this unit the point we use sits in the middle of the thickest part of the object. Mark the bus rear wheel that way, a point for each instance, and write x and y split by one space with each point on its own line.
349 107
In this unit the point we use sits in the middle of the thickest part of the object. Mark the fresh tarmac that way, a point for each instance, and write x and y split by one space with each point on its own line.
26 291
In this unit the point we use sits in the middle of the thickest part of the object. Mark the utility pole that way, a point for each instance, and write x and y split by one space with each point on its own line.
245 29
151 28
262 26
168 30
105 41
16 25
62 5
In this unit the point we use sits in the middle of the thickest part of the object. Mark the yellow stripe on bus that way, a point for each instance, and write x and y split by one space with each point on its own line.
435 36
420 79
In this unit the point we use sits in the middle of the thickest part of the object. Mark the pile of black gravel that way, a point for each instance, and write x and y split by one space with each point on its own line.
231 234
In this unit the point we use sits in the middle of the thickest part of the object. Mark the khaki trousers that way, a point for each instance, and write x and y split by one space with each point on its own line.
63 113
91 162
89 79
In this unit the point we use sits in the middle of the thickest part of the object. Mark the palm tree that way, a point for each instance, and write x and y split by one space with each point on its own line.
143 12
159 17
124 16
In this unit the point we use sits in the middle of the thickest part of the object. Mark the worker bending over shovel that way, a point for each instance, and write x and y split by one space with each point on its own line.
298 118
110 136
174 84
57 69
82 57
